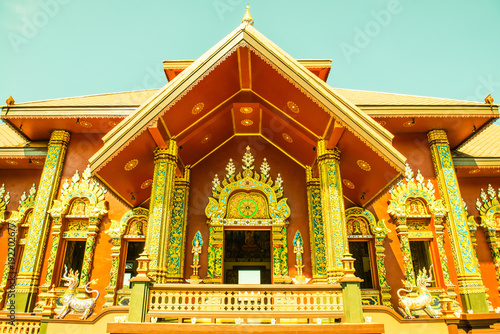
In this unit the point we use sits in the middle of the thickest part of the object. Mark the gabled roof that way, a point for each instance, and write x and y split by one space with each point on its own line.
121 99
9 137
368 98
485 144
246 86
347 114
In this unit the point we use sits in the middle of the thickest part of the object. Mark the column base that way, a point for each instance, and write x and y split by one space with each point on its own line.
25 301
139 301
351 294
475 302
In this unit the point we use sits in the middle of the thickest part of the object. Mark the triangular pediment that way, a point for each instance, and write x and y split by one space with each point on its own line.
247 86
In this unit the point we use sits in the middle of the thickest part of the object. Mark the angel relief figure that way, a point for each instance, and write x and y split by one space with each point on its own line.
136 228
79 208
497 221
416 208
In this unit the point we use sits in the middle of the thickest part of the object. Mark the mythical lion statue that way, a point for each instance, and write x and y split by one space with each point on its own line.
69 300
422 301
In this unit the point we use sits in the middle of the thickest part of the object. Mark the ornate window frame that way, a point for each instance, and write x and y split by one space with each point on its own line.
216 211
4 201
117 232
414 188
488 206
81 188
377 234
18 219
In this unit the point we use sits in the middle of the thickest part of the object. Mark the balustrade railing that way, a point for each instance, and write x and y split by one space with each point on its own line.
20 327
245 301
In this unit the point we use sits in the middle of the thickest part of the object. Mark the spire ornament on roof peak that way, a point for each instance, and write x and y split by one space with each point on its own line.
247 19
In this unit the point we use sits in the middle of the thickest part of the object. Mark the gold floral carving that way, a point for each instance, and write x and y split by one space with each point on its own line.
146 183
85 124
287 137
206 138
198 107
246 122
246 110
293 107
348 183
131 165
364 165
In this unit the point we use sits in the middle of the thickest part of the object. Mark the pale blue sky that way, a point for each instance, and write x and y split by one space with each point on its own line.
61 48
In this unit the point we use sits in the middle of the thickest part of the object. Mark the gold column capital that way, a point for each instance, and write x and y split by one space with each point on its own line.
325 153
164 154
59 137
437 137
311 181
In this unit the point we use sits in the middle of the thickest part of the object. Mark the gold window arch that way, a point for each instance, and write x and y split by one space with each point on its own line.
488 205
248 198
18 222
76 214
132 226
361 224
413 206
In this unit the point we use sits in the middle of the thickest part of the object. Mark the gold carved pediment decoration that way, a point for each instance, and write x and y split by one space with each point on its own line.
362 224
4 200
249 197
24 210
83 197
488 205
413 198
133 224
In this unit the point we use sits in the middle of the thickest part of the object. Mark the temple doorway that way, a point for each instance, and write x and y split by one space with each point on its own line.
247 256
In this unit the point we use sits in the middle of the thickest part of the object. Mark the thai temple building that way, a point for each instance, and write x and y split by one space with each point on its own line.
247 195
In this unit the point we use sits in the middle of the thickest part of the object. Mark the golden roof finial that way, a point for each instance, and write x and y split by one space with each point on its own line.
489 99
247 19
10 101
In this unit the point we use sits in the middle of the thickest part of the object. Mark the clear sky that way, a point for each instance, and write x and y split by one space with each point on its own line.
62 48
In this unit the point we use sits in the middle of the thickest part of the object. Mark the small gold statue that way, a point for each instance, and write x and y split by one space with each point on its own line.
298 249
196 250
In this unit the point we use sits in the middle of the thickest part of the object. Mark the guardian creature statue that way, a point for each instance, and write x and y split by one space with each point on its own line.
69 300
423 299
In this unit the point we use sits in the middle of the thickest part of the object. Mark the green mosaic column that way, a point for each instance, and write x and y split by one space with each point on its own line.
316 229
160 211
470 285
29 273
175 269
332 202
215 246
89 251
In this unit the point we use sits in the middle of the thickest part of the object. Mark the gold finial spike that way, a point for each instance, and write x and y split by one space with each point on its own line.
489 99
247 19
10 101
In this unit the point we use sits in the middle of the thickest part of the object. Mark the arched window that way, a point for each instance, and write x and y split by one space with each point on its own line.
366 238
128 237
488 205
247 201
76 217
18 223
418 216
